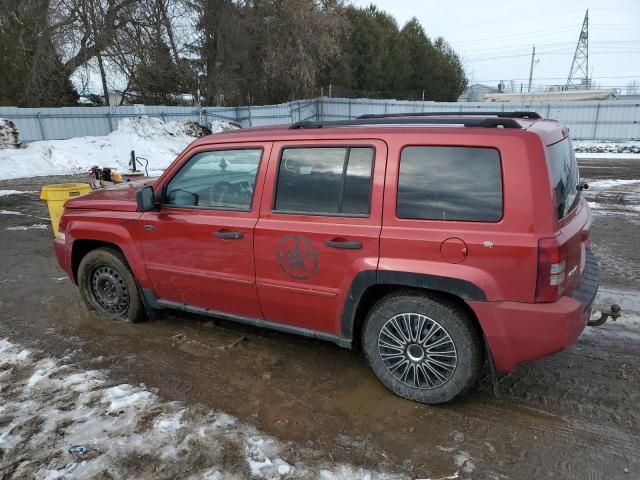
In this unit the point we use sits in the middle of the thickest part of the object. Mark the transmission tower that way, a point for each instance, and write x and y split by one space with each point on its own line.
579 73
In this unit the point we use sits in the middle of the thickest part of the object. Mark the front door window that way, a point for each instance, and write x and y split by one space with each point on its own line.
220 180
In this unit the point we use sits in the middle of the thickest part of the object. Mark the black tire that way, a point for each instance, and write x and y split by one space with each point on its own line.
108 287
451 326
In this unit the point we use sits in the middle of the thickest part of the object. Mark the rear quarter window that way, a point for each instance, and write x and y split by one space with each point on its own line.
450 183
563 170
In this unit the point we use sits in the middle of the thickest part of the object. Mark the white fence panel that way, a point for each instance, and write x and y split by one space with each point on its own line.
593 120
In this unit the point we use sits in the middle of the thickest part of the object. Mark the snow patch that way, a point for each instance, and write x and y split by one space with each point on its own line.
6 193
129 432
628 325
629 300
611 184
464 461
586 146
159 142
35 226
608 156
10 212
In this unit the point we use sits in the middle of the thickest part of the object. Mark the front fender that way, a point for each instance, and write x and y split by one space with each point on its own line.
117 229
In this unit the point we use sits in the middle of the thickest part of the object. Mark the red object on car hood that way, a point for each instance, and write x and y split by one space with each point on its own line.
120 197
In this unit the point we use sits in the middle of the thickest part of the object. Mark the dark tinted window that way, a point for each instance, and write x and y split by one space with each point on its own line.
450 183
333 180
222 179
564 175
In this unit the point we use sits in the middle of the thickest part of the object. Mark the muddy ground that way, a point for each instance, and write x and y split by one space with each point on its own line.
575 415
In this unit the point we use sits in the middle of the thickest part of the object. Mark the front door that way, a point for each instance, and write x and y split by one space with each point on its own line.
198 247
319 227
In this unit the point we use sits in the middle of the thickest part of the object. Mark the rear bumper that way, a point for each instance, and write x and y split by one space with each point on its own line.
521 332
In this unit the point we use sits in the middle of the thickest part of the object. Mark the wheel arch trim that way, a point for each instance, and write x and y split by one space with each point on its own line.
364 280
113 234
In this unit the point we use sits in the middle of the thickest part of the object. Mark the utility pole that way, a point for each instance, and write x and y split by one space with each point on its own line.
533 55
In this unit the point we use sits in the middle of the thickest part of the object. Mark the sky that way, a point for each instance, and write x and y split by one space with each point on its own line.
495 39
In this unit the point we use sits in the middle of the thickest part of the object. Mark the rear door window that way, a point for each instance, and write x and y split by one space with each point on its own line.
325 181
563 169
450 183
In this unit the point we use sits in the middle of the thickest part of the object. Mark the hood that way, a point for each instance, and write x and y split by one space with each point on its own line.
121 197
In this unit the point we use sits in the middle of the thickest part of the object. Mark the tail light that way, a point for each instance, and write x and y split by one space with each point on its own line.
552 264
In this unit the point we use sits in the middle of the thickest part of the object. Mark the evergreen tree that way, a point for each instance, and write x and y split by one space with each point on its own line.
32 72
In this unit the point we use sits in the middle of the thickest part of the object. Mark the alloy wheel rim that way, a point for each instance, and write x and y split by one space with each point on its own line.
417 350
110 290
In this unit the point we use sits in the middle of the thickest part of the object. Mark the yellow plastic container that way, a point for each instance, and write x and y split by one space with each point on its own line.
57 194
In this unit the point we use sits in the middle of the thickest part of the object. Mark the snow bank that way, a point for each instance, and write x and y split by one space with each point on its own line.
126 431
159 142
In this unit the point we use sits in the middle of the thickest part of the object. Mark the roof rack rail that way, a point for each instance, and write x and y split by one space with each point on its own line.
531 115
466 122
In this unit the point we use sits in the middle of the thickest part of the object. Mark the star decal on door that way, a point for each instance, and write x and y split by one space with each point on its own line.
297 257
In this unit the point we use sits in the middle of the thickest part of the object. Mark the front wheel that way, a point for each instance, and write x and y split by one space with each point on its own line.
108 287
422 348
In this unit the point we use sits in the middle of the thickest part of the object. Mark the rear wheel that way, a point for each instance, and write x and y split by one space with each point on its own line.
108 287
422 348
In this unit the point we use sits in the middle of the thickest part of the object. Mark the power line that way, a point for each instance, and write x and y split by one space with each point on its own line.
529 34
563 78
621 43
565 52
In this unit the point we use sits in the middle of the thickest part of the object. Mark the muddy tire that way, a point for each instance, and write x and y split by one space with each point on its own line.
422 348
108 286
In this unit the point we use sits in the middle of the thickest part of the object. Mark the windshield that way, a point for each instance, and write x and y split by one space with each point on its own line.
565 177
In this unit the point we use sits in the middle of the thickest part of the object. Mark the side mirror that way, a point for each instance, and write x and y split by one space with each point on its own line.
145 199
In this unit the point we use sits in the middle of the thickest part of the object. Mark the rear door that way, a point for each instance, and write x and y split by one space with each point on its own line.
319 226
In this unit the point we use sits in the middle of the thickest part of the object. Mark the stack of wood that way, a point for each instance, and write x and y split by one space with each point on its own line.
9 135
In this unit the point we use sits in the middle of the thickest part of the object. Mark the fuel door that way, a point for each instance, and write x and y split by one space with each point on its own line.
454 250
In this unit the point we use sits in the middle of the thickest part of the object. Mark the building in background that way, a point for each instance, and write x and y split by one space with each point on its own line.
550 96
476 93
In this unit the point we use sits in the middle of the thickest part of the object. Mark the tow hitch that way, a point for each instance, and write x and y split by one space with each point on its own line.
614 312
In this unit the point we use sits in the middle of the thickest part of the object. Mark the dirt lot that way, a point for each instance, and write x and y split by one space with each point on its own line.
575 415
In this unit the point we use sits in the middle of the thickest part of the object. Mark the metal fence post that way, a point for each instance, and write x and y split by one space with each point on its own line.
349 109
595 122
249 108
109 122
42 134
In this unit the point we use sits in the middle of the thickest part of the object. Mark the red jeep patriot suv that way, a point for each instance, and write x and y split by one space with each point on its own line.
440 244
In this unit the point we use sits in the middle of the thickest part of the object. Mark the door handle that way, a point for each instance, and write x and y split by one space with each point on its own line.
229 235
149 227
343 244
